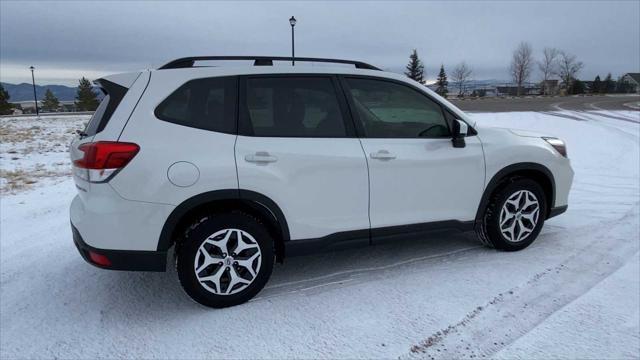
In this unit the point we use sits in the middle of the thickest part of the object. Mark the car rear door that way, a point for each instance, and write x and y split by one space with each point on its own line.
416 175
297 146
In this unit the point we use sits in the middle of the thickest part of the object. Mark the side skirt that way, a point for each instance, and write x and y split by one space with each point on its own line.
355 238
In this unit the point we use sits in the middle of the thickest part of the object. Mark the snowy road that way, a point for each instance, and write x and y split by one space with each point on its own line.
574 293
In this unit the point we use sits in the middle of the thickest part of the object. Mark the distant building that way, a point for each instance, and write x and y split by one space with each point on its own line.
550 87
28 107
512 90
633 81
485 91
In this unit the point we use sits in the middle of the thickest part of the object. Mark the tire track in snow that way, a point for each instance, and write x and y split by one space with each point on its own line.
340 277
509 315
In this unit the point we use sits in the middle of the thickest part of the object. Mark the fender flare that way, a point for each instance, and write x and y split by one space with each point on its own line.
251 197
496 180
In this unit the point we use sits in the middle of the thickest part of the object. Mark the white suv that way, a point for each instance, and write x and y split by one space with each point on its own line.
237 167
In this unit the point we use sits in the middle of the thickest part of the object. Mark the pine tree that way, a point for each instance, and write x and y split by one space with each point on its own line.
609 85
86 99
5 105
415 69
50 102
442 82
596 88
577 87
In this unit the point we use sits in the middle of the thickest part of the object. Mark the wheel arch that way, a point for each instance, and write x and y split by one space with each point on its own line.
252 202
537 172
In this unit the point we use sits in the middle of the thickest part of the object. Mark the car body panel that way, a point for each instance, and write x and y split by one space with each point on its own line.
321 189
163 144
503 148
428 180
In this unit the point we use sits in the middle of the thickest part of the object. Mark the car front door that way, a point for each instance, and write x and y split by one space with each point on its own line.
416 176
297 145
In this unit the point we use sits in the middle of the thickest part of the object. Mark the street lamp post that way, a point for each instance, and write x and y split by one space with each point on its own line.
292 22
33 82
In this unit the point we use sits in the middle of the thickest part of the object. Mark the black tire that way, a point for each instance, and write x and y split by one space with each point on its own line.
201 231
489 228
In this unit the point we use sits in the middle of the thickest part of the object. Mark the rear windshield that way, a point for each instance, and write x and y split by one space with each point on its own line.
113 95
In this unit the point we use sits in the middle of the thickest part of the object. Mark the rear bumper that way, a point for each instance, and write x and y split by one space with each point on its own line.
131 260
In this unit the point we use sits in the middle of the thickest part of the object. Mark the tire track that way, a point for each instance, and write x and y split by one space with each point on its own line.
511 314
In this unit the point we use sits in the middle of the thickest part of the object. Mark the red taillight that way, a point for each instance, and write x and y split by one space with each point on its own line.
106 155
99 259
101 160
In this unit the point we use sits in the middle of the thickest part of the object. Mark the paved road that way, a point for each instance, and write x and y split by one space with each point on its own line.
623 102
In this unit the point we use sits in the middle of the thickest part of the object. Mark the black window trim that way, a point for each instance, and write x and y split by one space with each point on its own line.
356 117
116 93
244 124
234 130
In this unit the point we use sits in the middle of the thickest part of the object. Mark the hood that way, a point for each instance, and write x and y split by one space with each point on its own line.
518 132
527 133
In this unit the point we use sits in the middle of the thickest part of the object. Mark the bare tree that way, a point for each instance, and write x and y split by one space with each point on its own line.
568 68
521 64
461 75
548 66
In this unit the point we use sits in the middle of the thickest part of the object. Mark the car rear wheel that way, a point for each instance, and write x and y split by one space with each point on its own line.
225 259
515 215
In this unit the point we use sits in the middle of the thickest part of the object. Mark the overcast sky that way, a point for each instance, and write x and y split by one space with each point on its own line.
67 40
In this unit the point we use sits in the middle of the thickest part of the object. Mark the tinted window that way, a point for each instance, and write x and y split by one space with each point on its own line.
293 107
392 110
96 118
207 104
114 94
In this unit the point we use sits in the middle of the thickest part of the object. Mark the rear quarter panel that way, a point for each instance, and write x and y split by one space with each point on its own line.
163 144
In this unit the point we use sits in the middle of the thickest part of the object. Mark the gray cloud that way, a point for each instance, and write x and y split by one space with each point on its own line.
104 37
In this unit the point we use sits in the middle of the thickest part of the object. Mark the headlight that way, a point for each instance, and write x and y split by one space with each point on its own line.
557 144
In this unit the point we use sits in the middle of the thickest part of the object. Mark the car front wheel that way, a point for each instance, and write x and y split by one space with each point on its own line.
514 216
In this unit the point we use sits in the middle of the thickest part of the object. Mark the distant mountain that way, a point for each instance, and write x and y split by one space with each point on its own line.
24 92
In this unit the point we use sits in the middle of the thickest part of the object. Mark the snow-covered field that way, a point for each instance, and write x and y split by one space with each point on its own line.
34 149
573 294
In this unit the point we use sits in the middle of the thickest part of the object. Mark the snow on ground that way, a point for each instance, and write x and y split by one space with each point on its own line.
33 149
609 312
572 294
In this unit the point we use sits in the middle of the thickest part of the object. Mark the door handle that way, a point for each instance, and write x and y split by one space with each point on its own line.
260 157
382 155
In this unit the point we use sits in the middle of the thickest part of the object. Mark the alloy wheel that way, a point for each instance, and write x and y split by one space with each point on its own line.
519 215
227 262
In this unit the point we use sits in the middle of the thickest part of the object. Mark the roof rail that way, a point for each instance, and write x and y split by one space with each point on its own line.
188 62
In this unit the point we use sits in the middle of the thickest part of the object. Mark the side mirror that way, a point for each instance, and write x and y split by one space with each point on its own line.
460 129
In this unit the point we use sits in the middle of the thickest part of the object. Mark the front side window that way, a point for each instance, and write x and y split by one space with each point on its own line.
391 110
207 104
292 107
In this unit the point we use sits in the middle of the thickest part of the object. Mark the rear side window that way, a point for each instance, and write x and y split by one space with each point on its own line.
113 95
207 104
292 107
